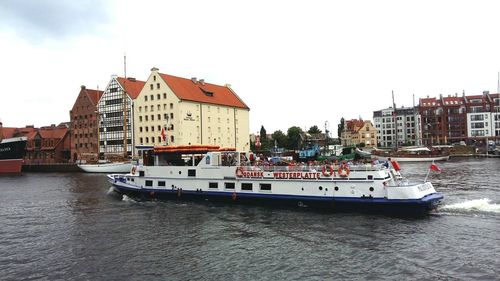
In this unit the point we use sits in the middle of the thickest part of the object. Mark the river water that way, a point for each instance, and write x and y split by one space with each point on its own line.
71 227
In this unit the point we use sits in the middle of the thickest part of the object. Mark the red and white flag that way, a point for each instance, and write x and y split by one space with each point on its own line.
163 134
435 168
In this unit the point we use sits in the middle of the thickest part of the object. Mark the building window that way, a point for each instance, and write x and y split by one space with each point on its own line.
152 117
154 77
159 117
152 97
152 128
140 108
147 140
171 116
140 118
157 85
145 98
164 95
172 138
140 129
140 140
158 96
151 86
159 139
171 106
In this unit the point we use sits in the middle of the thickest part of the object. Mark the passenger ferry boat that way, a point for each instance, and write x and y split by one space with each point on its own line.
216 174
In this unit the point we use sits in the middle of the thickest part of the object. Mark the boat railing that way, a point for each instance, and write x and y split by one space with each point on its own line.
311 168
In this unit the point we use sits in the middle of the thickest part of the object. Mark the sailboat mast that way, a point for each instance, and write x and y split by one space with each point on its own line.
125 108
395 121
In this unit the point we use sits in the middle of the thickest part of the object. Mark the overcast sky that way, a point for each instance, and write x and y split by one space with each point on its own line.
292 62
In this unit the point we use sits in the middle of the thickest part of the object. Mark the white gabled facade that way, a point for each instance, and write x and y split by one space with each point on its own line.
184 107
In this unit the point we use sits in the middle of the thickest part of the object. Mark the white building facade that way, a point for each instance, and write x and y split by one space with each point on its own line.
407 126
190 111
116 139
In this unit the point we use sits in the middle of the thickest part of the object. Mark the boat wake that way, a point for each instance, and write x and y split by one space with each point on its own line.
477 205
125 198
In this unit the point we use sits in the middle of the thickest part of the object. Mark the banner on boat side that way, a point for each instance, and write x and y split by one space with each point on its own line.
278 175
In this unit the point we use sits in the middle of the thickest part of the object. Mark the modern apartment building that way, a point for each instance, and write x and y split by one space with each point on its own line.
406 126
453 119
115 117
84 126
178 111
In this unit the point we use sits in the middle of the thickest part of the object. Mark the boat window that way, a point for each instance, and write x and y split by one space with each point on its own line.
161 183
213 185
149 183
246 186
191 173
265 187
229 185
370 177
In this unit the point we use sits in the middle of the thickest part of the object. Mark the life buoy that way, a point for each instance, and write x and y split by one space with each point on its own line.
239 172
133 170
343 170
327 170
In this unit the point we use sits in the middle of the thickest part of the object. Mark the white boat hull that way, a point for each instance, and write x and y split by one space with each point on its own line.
122 167
412 159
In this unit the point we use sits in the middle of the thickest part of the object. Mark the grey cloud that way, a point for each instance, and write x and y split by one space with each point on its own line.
37 19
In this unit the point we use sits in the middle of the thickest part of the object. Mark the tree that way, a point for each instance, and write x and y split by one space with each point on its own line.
280 138
293 136
341 127
314 130
263 134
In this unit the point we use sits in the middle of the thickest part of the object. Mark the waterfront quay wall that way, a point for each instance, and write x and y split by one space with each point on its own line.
50 168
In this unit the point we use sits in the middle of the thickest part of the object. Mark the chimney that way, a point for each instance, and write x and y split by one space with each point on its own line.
83 87
193 79
486 92
228 85
132 79
202 81
154 69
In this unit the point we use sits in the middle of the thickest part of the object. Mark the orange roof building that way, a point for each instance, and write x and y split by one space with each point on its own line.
189 111
358 131
115 117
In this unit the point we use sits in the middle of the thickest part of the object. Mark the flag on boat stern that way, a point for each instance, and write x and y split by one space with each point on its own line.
435 167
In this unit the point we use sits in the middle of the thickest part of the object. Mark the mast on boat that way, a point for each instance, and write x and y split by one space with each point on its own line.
395 122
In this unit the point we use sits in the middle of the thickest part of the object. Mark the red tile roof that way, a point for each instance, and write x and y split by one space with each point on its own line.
132 86
95 95
53 133
186 89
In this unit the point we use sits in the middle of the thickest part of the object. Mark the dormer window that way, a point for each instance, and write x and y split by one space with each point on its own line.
207 93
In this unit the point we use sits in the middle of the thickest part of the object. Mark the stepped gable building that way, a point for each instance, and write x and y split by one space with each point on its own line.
116 132
357 131
408 126
178 111
453 119
84 125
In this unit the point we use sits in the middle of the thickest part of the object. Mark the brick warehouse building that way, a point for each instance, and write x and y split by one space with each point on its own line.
84 125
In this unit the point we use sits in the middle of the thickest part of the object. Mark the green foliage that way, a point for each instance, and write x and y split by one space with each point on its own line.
263 134
280 138
293 135
314 130
341 127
